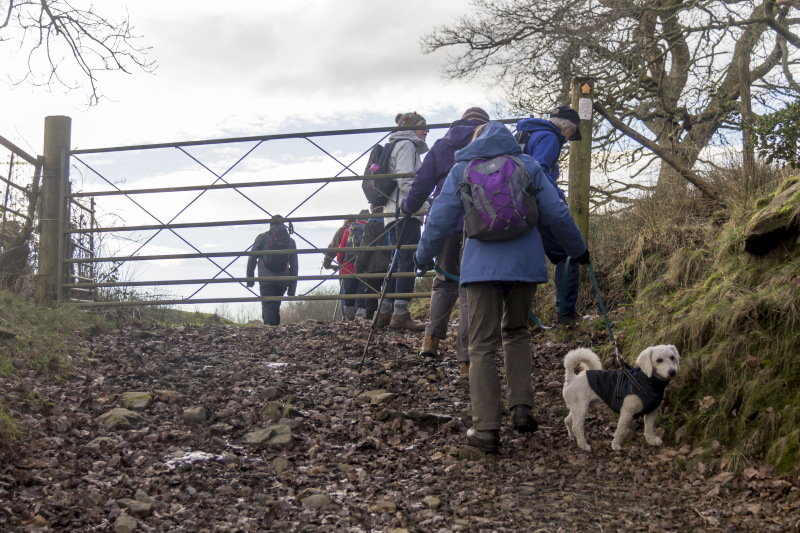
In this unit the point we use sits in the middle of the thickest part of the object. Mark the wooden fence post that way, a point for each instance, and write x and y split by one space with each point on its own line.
53 206
580 155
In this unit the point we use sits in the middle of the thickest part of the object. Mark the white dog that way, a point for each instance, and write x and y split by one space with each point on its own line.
655 367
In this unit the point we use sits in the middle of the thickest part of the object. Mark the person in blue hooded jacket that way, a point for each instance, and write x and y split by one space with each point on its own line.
428 181
547 138
500 278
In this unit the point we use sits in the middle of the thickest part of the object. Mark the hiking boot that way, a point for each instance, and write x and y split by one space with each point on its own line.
523 420
570 318
430 346
464 369
404 321
361 313
349 312
488 441
384 318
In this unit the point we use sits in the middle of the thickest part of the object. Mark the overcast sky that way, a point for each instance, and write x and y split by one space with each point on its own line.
245 68
254 67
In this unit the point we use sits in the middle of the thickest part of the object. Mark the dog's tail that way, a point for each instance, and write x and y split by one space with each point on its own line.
587 359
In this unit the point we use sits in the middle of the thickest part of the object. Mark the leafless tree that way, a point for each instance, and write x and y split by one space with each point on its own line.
68 43
668 72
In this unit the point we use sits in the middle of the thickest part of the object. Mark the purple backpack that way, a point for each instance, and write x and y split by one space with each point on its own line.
498 199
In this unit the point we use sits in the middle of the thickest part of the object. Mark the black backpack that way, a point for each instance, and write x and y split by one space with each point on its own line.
378 192
277 239
355 237
522 138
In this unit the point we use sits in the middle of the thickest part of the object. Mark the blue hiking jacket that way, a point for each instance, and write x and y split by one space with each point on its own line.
521 259
544 146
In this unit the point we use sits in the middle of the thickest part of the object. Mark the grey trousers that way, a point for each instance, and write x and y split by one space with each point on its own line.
444 294
498 313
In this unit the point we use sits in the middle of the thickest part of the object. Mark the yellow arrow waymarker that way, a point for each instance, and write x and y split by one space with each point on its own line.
586 88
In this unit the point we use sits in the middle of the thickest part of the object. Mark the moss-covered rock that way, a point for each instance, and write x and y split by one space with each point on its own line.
776 222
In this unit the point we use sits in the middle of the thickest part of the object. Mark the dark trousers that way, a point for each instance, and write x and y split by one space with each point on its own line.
353 286
405 258
373 286
558 256
271 311
444 294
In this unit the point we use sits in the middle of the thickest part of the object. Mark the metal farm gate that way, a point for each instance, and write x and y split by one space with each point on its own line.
195 210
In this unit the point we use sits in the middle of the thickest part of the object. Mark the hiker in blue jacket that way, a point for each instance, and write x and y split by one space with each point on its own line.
500 279
547 138
428 181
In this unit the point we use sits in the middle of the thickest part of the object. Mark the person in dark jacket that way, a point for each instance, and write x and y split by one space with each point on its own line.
547 138
500 278
428 181
373 261
271 310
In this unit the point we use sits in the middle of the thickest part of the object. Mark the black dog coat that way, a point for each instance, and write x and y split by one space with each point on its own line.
604 384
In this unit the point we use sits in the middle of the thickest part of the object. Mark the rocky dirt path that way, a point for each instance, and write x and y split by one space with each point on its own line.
272 429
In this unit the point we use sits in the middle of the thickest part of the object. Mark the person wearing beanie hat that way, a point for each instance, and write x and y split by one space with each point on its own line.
547 138
428 181
406 158
477 114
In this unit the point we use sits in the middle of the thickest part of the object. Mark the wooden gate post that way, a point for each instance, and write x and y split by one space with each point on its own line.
580 155
53 207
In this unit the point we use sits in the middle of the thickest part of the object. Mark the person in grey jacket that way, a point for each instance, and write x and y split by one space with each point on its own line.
271 310
405 158
501 279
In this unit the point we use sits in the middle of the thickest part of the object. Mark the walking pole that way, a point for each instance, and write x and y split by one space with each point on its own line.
388 277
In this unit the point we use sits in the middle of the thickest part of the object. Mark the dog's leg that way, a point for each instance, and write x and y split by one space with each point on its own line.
578 421
568 423
649 426
631 405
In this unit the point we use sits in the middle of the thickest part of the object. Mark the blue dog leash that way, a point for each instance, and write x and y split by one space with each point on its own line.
625 368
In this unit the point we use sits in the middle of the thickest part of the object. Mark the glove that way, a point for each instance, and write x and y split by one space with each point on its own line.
404 208
583 258
290 292
250 284
422 269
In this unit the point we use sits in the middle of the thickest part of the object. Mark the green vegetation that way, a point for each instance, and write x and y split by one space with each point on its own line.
734 316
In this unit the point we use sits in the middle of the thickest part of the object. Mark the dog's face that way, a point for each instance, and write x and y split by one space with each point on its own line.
661 362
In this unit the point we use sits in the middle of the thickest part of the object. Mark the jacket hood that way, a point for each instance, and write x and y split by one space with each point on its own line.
460 132
494 140
533 125
409 135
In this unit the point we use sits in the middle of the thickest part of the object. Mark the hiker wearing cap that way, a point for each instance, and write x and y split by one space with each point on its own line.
275 239
405 158
428 181
500 277
547 137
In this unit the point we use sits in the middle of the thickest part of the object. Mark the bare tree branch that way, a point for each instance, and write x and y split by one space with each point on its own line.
74 44
705 187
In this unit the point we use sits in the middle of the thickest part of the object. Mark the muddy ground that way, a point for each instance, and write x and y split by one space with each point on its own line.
224 428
